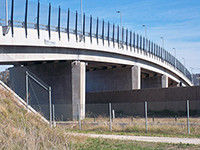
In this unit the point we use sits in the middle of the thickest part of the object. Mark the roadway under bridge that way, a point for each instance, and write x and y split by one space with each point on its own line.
77 59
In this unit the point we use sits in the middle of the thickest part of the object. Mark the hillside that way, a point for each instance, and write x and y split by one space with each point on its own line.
20 129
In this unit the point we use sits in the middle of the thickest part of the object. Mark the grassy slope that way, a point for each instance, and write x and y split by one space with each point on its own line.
22 130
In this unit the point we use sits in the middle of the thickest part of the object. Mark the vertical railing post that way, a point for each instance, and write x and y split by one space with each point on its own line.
59 11
25 19
126 38
54 123
49 21
130 41
83 27
149 47
113 36
108 35
103 32
38 19
118 36
12 15
144 48
27 90
97 30
159 52
188 116
91 28
50 108
76 26
68 17
134 41
122 42
146 116
140 43
137 43
110 116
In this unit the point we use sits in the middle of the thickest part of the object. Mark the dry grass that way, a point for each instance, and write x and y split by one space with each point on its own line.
22 130
137 125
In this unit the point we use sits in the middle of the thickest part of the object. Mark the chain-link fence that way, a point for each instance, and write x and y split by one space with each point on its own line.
170 116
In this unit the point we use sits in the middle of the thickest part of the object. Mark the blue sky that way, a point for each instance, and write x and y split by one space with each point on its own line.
177 21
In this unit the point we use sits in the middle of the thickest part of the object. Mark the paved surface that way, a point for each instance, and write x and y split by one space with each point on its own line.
142 138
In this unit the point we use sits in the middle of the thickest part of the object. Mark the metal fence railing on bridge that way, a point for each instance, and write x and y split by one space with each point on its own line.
27 14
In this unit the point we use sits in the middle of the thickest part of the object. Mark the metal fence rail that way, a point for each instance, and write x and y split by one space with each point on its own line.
27 14
118 116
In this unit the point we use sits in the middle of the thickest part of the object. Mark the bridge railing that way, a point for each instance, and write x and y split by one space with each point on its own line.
27 14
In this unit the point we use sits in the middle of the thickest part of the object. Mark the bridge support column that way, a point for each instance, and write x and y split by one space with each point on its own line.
164 81
78 89
136 77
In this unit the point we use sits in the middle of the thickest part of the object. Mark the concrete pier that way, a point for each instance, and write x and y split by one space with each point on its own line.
78 89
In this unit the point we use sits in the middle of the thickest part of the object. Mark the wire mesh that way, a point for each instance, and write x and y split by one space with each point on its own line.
2 12
63 20
72 22
44 14
87 25
32 14
19 11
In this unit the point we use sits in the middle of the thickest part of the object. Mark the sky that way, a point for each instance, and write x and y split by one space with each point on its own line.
177 21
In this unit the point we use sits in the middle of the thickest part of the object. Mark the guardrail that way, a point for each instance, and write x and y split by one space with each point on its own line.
43 17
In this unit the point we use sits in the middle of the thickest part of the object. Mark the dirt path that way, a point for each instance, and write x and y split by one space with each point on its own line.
143 138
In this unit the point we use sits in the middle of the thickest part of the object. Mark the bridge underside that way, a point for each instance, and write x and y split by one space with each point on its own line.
70 80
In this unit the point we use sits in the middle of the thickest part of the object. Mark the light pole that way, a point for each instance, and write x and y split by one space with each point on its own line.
81 13
6 9
162 42
174 52
119 12
183 61
81 36
145 30
145 34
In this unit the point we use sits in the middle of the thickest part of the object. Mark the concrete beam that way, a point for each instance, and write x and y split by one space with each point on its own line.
78 89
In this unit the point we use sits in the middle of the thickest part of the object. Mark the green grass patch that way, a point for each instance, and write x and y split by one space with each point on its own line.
105 144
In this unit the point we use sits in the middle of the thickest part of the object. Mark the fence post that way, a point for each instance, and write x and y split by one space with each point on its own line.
50 113
54 123
146 116
188 116
27 90
110 117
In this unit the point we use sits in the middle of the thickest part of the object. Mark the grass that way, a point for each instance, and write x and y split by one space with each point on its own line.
136 126
22 130
105 144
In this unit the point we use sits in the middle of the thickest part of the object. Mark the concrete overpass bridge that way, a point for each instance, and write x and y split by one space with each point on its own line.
75 55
